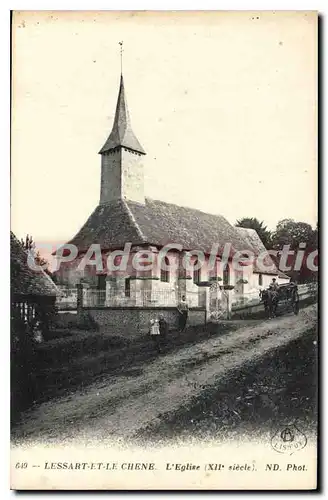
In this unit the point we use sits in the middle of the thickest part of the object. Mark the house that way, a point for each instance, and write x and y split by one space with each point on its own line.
125 215
33 293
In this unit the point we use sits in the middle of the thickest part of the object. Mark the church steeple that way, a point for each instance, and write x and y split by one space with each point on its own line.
122 134
122 171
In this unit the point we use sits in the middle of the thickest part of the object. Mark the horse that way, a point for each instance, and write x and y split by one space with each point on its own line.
286 294
289 293
270 299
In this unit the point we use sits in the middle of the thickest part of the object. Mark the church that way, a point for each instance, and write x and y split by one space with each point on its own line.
126 215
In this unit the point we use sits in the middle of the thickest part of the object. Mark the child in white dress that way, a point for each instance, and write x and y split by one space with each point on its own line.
154 329
155 332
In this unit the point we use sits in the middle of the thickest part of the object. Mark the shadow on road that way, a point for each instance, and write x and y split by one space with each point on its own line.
280 388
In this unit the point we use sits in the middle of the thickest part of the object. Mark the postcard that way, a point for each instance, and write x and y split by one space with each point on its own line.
164 250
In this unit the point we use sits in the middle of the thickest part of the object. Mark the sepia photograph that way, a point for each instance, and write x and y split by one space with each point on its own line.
164 250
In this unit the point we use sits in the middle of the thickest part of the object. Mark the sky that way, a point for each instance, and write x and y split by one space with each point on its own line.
224 103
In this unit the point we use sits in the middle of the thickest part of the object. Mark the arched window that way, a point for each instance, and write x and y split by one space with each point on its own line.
226 275
196 271
165 273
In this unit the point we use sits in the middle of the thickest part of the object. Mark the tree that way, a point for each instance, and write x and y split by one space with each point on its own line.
260 228
29 244
290 232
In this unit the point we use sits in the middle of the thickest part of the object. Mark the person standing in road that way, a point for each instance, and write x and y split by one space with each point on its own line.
183 313
155 332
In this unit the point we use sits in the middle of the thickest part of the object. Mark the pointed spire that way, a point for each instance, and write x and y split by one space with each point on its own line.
121 56
122 133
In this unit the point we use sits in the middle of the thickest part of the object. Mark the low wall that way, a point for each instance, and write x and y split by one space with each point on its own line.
133 321
257 310
197 316
248 311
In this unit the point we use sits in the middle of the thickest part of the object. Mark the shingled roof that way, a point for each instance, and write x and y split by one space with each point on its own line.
25 281
252 238
156 223
254 241
122 133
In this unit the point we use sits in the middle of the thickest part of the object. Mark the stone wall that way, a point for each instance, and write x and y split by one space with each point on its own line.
197 316
134 322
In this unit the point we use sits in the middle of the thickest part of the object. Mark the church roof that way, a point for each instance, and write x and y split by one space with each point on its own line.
156 223
122 133
26 281
251 237
159 223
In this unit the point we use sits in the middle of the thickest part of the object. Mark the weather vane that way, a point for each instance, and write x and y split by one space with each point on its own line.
121 45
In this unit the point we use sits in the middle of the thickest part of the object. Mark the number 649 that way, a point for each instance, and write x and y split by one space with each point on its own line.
21 465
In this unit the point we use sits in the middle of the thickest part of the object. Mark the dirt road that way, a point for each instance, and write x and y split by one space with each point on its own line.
121 406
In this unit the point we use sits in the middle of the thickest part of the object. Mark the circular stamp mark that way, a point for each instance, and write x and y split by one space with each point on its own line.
288 439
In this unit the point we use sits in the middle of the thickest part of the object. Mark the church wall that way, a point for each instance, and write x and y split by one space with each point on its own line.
254 282
132 176
162 293
266 280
